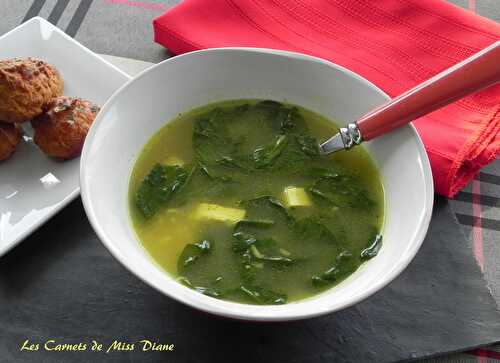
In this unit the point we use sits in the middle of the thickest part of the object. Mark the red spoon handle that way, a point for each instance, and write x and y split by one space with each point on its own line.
471 75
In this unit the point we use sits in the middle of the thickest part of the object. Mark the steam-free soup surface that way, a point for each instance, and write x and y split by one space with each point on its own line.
235 201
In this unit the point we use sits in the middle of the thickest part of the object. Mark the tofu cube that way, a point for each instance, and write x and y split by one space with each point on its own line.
296 197
218 213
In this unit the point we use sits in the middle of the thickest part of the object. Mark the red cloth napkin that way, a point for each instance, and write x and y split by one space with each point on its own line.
396 44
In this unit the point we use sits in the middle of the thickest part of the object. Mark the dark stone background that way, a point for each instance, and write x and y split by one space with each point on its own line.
62 284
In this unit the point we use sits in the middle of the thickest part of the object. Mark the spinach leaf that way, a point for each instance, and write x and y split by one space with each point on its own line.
342 191
233 162
289 154
311 230
200 187
264 156
248 269
212 145
209 291
317 172
158 187
192 252
282 119
270 104
261 223
308 144
293 146
266 207
268 250
275 113
253 254
264 216
217 152
373 248
294 122
263 296
345 263
242 241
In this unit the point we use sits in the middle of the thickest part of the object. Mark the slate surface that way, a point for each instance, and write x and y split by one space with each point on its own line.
62 284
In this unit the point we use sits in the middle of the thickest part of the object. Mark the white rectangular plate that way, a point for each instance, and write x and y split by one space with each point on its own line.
34 187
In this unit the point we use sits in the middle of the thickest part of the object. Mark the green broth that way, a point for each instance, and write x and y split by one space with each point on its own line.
235 159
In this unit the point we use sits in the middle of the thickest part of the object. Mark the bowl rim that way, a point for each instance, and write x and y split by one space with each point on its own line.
289 314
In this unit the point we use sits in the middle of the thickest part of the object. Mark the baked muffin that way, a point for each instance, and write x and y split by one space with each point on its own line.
26 85
61 130
10 136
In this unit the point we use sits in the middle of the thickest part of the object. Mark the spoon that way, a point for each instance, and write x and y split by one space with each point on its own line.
471 75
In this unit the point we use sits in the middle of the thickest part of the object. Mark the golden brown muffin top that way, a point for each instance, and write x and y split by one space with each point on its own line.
77 106
21 70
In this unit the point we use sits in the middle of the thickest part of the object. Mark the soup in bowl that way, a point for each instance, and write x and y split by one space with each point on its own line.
235 200
203 177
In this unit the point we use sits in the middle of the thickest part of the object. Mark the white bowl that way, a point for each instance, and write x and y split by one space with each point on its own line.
146 103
